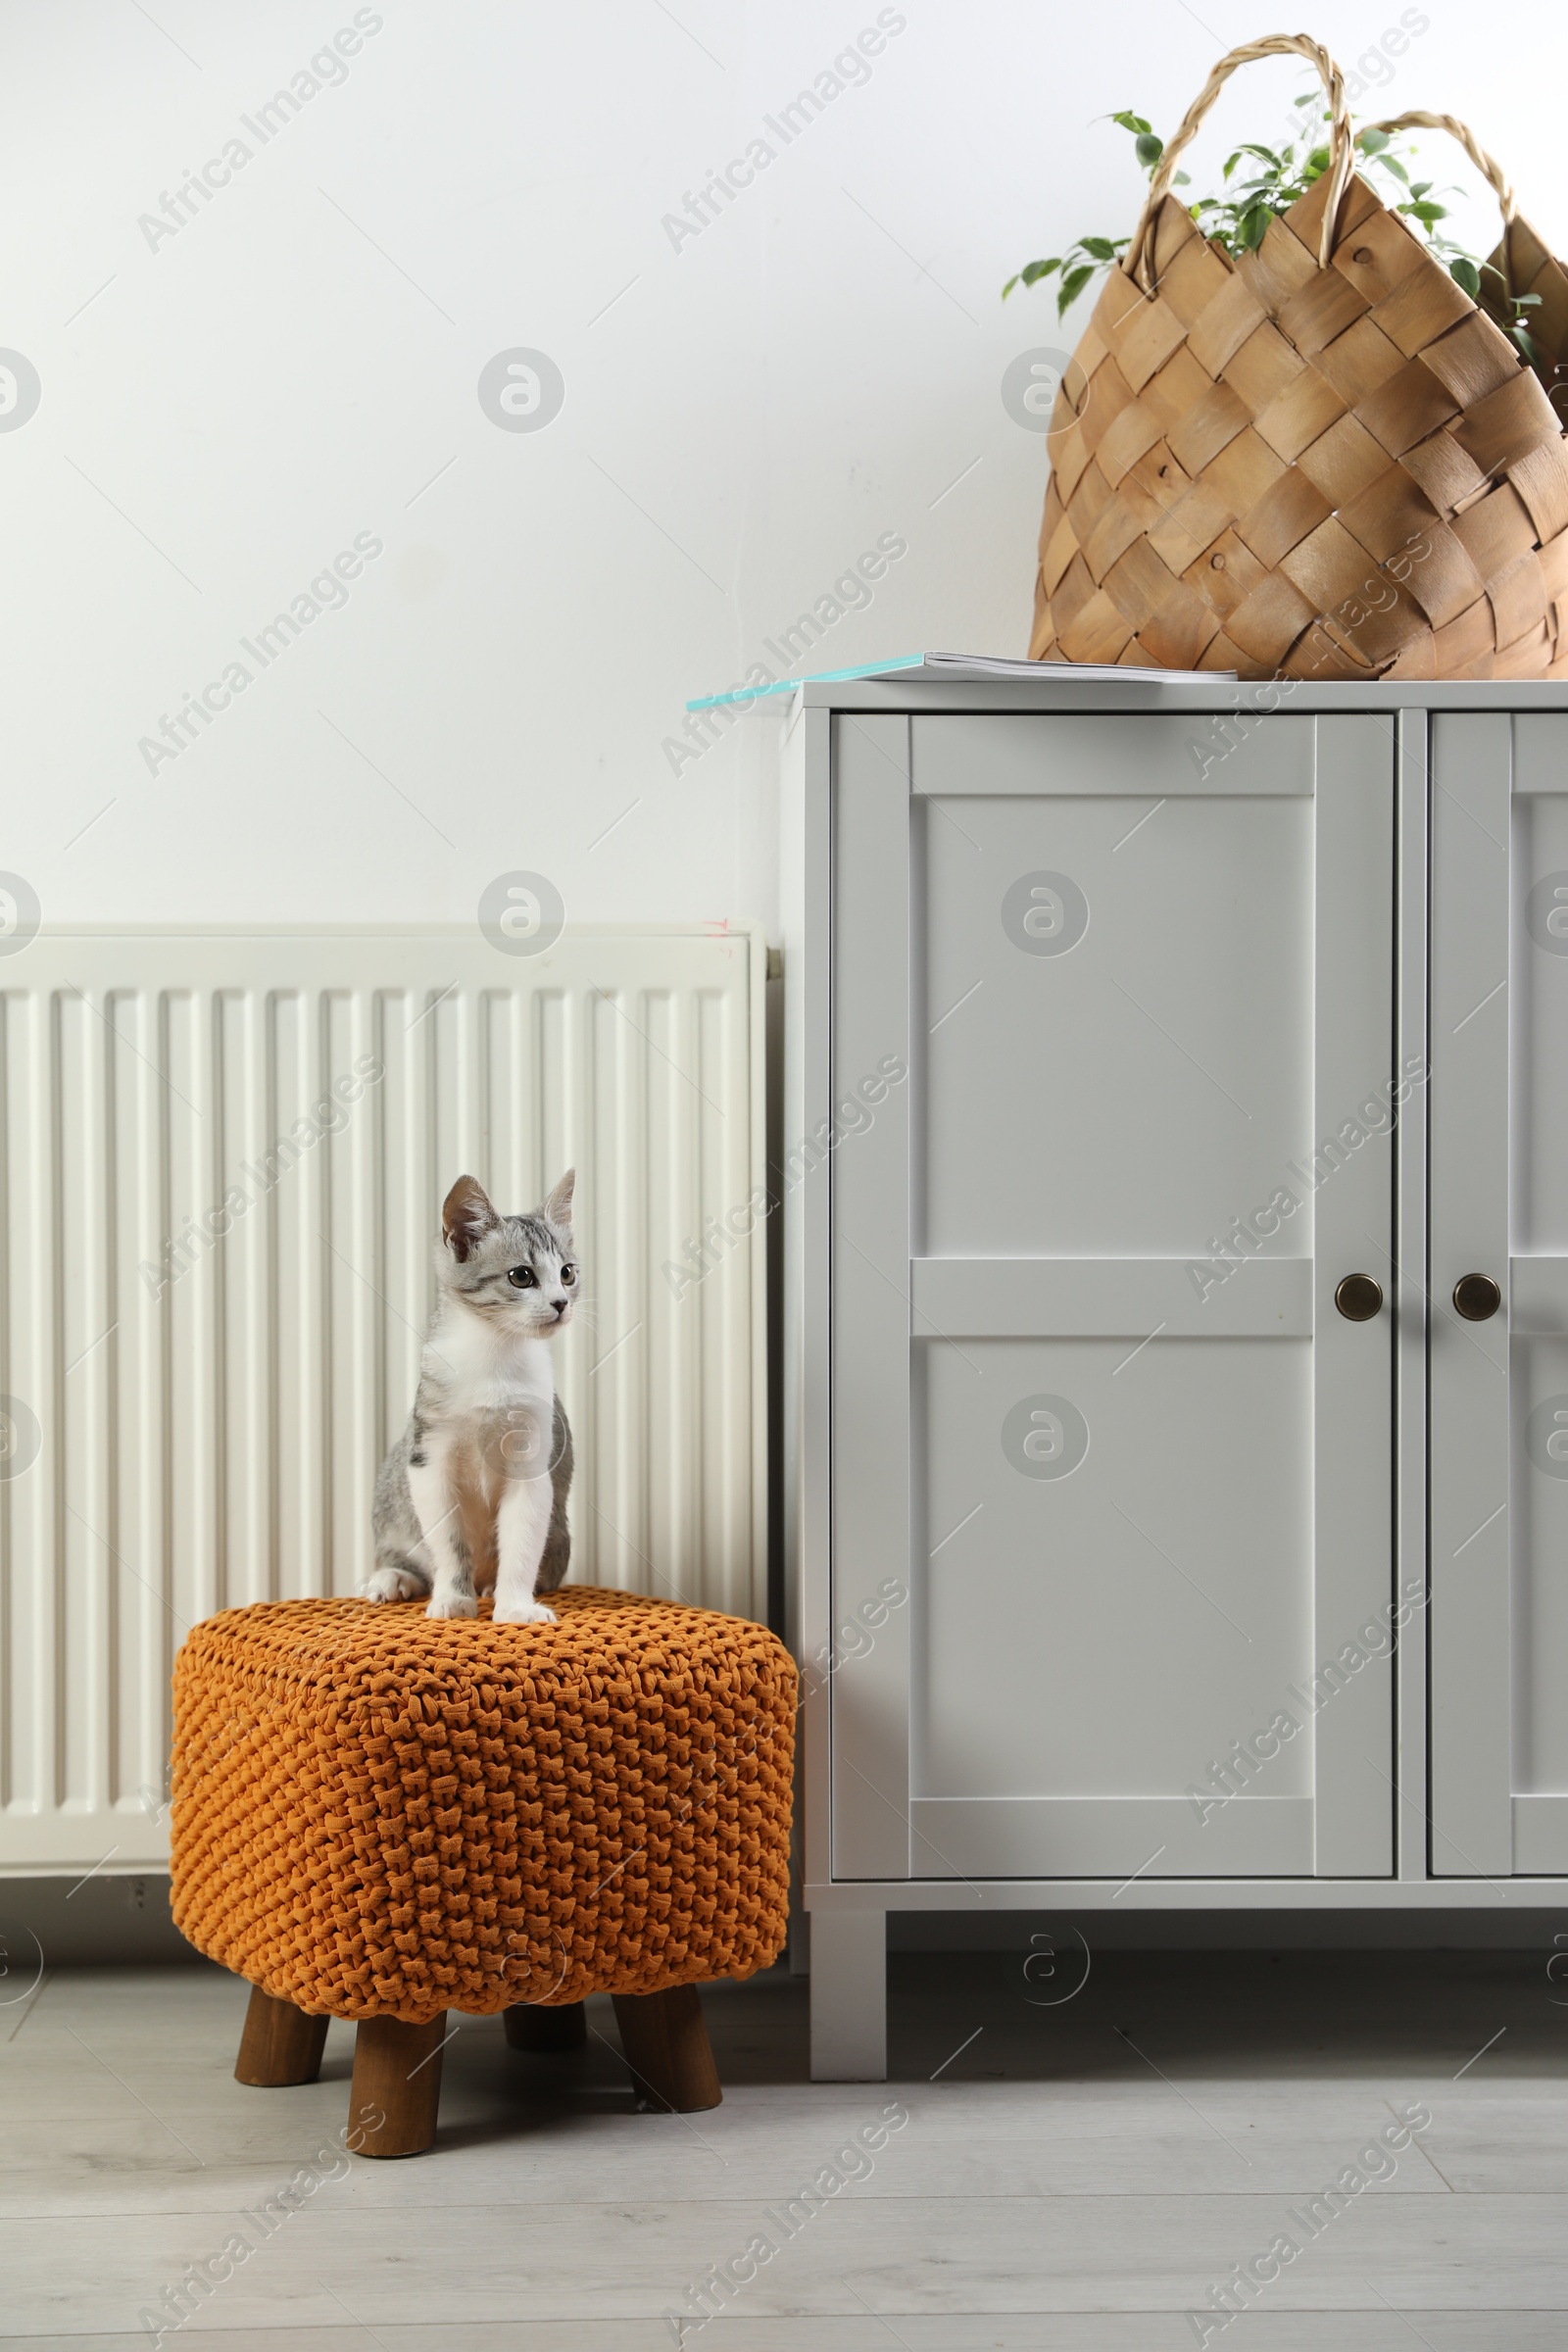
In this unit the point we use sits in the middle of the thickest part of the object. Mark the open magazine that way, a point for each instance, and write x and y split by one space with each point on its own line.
951 668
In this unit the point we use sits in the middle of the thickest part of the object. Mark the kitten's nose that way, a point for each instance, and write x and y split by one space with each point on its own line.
560 1306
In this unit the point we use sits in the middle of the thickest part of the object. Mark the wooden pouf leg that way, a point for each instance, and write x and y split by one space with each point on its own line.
280 2044
397 2086
530 2028
665 2042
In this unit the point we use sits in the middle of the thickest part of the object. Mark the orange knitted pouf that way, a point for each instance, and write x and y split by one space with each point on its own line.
380 1815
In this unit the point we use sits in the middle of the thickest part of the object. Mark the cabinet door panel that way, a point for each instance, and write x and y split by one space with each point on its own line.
1538 1356
1539 1511
1500 1207
1539 922
1186 982
1095 1409
1133 1576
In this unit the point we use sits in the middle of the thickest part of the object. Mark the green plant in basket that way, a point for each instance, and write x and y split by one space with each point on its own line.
1259 183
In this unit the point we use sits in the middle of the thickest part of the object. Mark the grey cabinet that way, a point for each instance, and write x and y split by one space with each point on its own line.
1131 1038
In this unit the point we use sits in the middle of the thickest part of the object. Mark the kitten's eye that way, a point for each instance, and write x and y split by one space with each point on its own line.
523 1278
569 1274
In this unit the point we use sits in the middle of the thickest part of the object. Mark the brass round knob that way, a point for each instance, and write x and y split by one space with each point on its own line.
1475 1297
1358 1298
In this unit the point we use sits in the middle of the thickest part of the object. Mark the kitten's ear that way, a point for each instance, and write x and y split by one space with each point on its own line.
558 1202
466 1216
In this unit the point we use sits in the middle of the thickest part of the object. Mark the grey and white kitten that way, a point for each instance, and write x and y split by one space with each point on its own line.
472 1498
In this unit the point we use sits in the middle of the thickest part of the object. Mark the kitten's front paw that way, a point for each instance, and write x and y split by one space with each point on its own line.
394 1583
524 1612
454 1604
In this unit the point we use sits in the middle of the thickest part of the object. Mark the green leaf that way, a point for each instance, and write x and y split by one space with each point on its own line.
1392 164
1318 159
1372 142
1527 344
1466 275
1307 98
1426 211
1131 122
1523 302
1030 275
1183 179
1149 149
1265 155
1420 187
1252 227
1231 162
1072 286
1101 247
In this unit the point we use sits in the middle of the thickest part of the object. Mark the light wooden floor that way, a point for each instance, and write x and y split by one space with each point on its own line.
1072 2182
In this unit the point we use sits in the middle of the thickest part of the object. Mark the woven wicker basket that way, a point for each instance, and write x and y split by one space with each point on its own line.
1321 460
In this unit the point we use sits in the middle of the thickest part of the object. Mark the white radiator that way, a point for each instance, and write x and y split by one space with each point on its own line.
192 1413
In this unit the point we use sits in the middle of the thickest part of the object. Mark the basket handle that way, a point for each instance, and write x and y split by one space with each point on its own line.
1490 169
1139 263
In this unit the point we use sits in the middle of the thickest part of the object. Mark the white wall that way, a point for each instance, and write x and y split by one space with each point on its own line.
743 416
